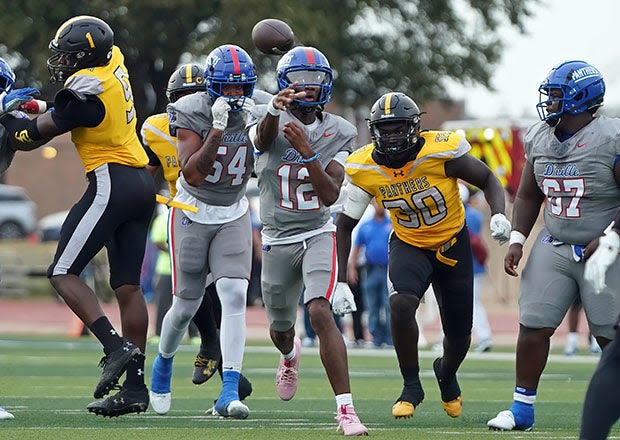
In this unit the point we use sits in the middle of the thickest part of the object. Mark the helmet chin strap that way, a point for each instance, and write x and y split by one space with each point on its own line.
553 121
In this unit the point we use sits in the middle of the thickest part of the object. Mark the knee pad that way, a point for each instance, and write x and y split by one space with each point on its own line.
183 310
232 293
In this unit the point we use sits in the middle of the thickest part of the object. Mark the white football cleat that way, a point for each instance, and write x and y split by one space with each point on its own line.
503 421
160 402
237 410
5 415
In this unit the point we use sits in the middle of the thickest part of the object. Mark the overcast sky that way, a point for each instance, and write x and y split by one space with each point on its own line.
560 30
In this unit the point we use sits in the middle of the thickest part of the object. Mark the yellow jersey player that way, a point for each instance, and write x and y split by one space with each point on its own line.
160 145
96 106
414 175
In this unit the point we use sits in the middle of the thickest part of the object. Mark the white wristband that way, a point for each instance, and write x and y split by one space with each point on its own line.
272 110
517 237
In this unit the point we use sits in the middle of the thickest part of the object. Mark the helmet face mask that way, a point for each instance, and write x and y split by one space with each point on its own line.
306 67
394 137
572 87
394 126
7 77
187 79
230 65
79 43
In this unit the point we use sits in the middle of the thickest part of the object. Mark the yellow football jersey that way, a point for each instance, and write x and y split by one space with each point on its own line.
156 135
115 139
424 204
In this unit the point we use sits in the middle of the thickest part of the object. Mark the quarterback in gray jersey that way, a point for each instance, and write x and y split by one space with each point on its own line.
216 159
573 166
301 152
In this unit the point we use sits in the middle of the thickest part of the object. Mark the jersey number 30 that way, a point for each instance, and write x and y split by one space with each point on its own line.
429 207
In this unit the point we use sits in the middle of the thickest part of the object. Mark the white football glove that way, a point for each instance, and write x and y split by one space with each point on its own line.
248 110
248 105
219 111
500 228
343 302
603 257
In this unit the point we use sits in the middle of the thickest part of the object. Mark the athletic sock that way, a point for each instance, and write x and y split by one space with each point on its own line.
135 373
109 338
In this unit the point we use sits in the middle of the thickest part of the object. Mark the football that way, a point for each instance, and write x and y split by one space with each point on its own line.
272 36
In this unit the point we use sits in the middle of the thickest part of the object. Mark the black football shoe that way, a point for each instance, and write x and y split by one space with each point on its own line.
126 401
114 365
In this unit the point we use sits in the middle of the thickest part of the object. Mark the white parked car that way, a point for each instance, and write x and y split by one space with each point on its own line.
49 226
18 217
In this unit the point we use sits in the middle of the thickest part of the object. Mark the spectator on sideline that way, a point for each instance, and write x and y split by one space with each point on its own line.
373 240
473 219
572 339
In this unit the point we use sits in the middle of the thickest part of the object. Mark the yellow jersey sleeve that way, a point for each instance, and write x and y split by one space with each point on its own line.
156 135
115 139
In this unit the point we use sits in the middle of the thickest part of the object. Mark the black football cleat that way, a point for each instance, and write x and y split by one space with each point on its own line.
114 365
127 401
204 368
245 387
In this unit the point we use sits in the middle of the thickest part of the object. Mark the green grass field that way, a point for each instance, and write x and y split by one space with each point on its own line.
48 383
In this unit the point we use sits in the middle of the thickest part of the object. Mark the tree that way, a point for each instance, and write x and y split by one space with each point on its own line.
374 46
152 34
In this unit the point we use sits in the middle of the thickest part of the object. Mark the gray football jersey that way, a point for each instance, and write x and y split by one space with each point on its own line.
235 156
261 97
288 203
577 178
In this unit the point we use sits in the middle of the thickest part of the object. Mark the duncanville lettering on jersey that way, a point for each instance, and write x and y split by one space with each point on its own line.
406 187
239 138
292 155
564 170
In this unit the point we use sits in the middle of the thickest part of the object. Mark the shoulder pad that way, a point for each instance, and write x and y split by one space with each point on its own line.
64 96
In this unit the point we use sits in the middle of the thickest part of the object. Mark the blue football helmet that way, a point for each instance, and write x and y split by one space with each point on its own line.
582 88
7 77
306 66
229 64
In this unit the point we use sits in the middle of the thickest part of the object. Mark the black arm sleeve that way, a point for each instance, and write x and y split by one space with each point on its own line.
22 133
72 110
153 159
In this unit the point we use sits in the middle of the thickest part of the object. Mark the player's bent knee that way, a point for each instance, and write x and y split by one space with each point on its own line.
281 326
403 305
